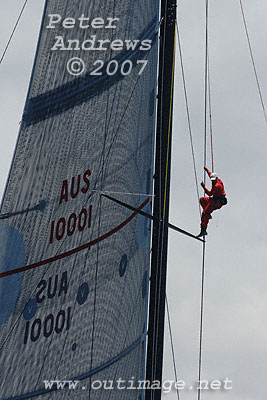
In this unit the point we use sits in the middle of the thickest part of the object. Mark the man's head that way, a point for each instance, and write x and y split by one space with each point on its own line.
213 177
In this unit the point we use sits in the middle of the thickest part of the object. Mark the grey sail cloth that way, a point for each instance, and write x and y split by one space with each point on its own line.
74 268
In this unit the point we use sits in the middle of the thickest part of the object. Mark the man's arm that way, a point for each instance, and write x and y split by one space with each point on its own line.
207 170
208 192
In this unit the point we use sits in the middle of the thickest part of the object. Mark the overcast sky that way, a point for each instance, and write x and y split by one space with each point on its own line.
235 318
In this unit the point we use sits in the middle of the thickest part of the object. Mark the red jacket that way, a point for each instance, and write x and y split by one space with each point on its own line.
217 188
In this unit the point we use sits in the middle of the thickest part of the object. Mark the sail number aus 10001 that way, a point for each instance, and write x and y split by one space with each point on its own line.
54 323
68 226
75 222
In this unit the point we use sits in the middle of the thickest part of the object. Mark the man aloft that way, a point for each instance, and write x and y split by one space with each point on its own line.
216 199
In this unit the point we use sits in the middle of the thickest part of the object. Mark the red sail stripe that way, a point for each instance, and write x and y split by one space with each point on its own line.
75 250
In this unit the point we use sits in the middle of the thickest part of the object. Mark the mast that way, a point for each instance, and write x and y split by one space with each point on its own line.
161 202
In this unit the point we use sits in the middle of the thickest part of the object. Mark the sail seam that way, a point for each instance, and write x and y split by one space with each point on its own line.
86 374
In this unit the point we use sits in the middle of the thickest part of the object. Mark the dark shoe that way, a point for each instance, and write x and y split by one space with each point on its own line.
202 233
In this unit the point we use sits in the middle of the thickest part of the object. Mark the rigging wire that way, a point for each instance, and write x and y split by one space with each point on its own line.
204 243
210 115
14 29
201 320
253 60
172 347
206 92
188 112
125 193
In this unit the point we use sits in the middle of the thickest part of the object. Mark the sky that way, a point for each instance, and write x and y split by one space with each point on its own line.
235 317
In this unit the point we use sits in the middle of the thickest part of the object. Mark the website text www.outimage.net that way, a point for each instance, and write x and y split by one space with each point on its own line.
120 384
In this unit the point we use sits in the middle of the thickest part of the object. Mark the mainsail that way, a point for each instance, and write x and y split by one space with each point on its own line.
74 265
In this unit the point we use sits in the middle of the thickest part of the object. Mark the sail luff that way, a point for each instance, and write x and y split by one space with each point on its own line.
161 199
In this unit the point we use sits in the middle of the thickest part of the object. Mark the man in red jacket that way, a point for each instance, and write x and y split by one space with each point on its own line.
216 199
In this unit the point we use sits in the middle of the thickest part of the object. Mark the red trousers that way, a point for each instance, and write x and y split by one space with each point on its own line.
208 205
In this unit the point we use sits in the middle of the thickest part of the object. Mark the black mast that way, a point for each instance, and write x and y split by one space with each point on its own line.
161 202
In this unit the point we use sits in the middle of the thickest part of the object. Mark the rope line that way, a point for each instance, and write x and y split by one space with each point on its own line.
204 243
201 321
188 113
14 29
206 92
210 114
172 347
253 60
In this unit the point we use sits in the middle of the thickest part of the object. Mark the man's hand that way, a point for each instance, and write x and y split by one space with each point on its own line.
206 169
203 184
